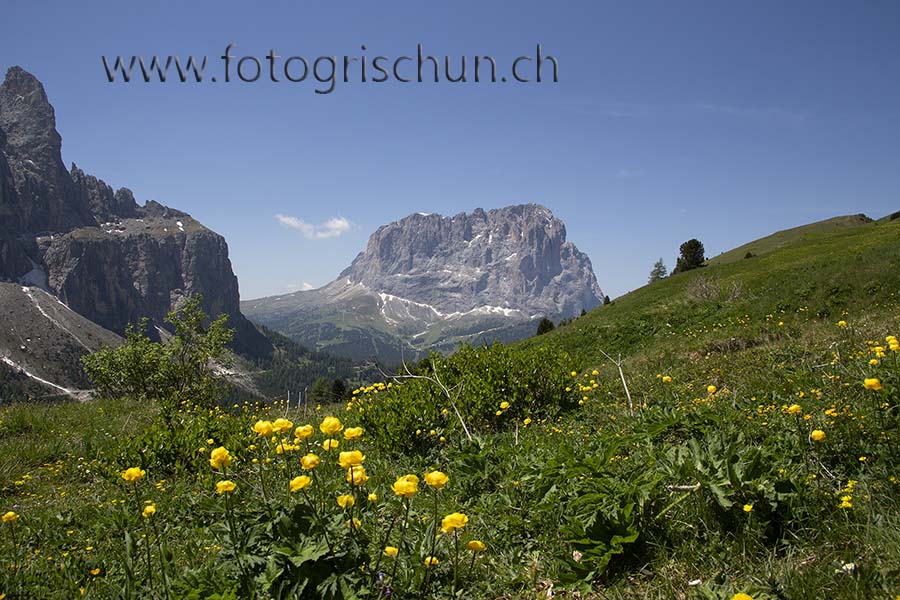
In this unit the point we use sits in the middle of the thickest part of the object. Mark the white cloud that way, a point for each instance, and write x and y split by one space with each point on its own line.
305 286
331 228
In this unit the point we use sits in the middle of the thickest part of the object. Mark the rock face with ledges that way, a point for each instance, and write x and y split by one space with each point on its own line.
429 281
515 257
94 248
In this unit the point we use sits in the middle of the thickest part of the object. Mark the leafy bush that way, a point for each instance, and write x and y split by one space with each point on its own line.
489 388
180 369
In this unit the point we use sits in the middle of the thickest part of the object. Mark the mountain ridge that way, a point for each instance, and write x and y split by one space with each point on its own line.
95 249
429 281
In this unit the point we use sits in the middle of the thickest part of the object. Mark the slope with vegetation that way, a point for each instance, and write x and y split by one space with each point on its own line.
727 431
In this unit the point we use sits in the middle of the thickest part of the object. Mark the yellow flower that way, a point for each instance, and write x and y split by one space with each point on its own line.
357 475
453 521
304 432
330 425
330 444
794 409
872 384
574 373
225 486
504 405
10 517
431 561
373 497
842 324
436 479
219 458
406 486
94 572
742 596
309 462
299 482
353 433
353 458
345 501
391 551
748 508
817 435
282 425
711 389
476 546
354 524
149 511
133 475
666 379
527 421
263 428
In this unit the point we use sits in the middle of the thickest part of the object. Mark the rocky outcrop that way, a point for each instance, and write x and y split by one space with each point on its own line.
107 258
46 198
515 257
431 282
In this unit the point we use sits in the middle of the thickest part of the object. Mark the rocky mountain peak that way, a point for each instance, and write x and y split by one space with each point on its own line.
514 257
46 196
429 282
95 249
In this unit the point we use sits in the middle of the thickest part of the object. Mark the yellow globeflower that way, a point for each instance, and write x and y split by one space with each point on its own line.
345 501
527 421
711 389
10 517
476 546
872 384
149 511
353 433
133 475
304 432
225 486
299 482
263 429
436 479
309 462
666 379
431 561
741 596
748 508
353 458
504 405
817 435
453 521
391 551
220 457
406 486
330 425
330 444
794 409
282 426
842 324
373 497
357 475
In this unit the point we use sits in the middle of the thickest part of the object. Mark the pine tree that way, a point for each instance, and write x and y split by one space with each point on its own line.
545 326
659 271
692 256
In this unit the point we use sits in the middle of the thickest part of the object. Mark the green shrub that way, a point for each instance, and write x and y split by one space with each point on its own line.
493 388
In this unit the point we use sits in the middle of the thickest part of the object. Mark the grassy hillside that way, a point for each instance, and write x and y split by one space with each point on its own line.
821 274
748 445
786 237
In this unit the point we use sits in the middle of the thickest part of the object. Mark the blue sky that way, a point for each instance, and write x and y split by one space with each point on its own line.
723 121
